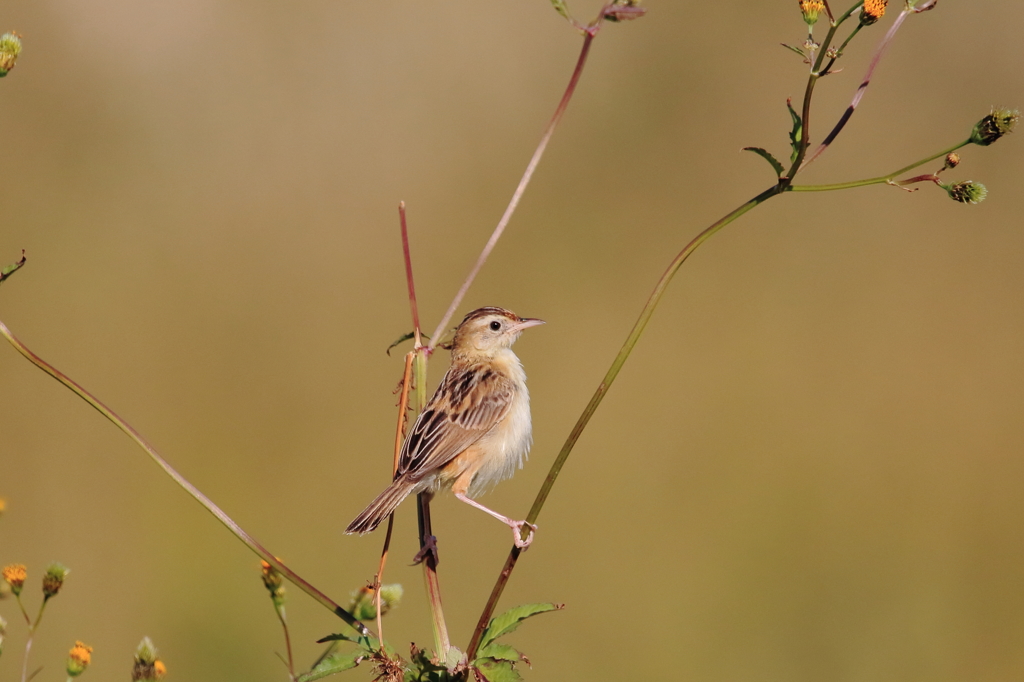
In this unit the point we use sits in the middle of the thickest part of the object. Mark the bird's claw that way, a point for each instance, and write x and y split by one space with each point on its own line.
429 548
517 533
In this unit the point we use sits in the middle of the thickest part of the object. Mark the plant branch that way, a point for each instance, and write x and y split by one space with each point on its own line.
588 38
881 179
235 529
599 394
875 59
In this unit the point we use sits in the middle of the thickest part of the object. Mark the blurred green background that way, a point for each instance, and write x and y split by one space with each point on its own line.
810 469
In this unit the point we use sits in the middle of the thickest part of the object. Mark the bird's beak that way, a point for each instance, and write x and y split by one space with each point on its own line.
526 322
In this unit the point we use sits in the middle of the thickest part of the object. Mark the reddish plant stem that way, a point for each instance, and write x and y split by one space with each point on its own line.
588 38
408 275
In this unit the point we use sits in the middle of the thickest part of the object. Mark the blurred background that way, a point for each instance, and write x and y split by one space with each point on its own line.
810 469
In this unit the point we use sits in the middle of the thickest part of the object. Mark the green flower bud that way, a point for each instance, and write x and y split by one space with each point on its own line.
995 125
364 603
967 192
10 48
53 579
148 665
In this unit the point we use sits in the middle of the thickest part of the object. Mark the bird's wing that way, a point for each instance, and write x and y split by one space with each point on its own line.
467 404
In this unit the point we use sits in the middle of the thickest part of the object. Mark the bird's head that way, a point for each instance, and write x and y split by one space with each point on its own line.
486 331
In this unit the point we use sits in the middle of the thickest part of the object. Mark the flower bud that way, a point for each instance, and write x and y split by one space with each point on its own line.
15 575
872 11
952 161
53 579
811 9
995 125
967 192
3 631
274 582
147 665
364 602
10 48
78 659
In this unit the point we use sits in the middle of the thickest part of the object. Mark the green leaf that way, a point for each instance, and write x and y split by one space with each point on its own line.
510 620
561 8
767 156
795 49
502 652
333 664
797 132
493 670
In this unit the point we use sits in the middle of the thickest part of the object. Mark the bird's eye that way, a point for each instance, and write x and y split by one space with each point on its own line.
495 326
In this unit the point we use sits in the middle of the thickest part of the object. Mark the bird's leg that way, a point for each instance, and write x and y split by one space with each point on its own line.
516 526
428 542
428 548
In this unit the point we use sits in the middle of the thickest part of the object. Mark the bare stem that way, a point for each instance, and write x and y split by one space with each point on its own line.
588 38
287 639
235 529
408 273
599 394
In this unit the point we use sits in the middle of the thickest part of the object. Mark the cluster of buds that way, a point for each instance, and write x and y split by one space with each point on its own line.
79 659
148 665
10 48
274 582
364 601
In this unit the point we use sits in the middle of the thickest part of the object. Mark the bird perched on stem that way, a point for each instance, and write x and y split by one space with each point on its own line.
475 431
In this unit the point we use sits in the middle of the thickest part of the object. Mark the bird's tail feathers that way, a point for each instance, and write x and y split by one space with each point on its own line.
380 508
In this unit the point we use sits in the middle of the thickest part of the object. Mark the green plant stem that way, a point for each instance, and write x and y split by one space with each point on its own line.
880 179
279 609
217 512
599 394
31 636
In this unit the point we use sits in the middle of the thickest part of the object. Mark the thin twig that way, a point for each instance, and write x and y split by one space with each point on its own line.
226 520
588 38
406 252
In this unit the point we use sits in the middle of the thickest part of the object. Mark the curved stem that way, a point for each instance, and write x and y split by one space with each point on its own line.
202 499
599 394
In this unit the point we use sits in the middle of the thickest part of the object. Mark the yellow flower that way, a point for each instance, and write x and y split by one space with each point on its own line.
15 575
810 9
159 669
872 11
78 659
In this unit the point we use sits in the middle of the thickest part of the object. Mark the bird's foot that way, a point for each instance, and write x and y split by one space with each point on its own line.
517 533
429 548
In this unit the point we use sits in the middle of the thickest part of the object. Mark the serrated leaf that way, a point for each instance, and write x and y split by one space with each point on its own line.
333 664
493 670
797 133
795 49
767 156
561 8
501 652
510 620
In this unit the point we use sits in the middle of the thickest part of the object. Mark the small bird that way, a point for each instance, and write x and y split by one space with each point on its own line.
475 430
